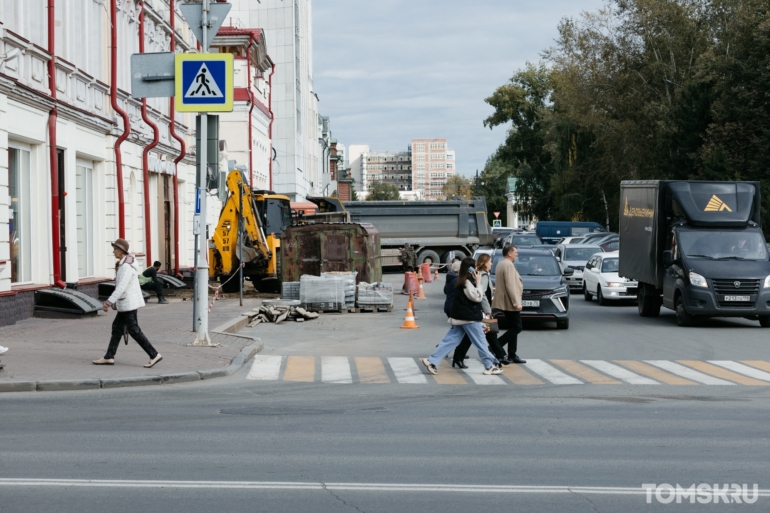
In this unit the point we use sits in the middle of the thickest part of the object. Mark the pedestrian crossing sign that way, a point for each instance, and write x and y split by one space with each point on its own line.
204 82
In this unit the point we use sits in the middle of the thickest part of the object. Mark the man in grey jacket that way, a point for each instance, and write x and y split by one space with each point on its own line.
127 299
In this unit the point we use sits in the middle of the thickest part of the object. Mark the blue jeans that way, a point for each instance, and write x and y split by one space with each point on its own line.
455 336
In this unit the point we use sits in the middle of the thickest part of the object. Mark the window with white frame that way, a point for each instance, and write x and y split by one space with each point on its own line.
419 147
437 156
420 157
437 165
437 145
19 214
450 165
84 199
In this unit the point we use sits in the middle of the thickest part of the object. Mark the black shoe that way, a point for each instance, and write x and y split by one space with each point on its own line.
506 361
460 364
516 359
162 301
466 357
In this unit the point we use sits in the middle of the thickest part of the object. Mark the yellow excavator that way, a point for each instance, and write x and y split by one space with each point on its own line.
265 216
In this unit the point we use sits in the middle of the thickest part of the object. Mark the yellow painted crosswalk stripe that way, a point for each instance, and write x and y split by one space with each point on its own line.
584 373
723 373
654 373
449 376
371 370
520 376
759 364
300 368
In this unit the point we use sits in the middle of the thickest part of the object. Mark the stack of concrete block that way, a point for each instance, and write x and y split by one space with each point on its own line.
349 280
322 294
290 290
374 294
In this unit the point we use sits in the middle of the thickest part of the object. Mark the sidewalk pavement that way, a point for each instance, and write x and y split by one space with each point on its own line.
43 352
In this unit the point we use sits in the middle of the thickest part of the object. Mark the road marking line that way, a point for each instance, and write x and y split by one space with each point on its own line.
407 371
687 372
519 375
323 487
551 374
619 372
759 364
371 370
723 373
584 373
475 370
655 373
300 368
449 376
742 369
265 367
335 369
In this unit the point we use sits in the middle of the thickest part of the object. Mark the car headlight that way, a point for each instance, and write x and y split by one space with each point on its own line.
560 291
767 283
698 280
614 284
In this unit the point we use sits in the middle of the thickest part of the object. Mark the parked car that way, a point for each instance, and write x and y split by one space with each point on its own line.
572 240
601 279
575 256
596 237
546 294
523 239
609 247
551 232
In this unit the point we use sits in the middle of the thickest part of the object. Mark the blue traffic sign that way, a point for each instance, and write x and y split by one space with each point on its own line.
204 82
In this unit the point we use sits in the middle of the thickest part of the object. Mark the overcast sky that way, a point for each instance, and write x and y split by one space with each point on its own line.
390 70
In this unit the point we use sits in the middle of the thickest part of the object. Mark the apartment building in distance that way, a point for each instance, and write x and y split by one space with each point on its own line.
394 168
432 164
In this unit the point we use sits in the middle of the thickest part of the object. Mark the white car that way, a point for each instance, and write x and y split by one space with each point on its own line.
601 279
575 256
572 240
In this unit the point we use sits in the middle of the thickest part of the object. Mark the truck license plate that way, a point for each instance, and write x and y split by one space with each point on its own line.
531 304
737 298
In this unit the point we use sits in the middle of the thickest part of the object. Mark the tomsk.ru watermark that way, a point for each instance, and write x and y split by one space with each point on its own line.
703 493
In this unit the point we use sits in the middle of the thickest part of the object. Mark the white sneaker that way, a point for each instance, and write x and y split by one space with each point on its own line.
431 368
3 349
493 370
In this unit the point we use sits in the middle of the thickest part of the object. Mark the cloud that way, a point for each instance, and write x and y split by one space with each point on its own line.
387 71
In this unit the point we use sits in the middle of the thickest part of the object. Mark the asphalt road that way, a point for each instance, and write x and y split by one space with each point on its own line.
239 445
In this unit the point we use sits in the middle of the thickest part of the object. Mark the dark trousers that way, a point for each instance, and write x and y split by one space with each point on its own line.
513 319
127 322
465 345
157 286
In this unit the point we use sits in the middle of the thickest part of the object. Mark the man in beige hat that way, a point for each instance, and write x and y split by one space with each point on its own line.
127 299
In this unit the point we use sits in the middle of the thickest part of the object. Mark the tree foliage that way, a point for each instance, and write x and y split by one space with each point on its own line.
639 89
383 192
457 186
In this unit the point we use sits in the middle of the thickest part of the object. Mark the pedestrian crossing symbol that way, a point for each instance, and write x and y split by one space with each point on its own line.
204 82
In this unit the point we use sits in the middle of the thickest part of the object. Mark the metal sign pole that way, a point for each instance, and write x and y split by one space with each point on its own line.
202 268
240 239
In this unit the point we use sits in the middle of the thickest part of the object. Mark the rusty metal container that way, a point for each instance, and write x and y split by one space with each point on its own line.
331 247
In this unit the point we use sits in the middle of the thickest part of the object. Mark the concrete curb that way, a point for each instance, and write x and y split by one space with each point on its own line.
237 363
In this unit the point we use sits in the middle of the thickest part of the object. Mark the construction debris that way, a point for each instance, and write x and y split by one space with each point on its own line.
278 314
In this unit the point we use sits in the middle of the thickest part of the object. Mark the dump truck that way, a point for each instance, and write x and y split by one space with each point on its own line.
695 247
265 216
434 229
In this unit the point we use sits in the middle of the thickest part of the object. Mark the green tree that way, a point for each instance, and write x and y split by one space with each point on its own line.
457 186
383 192
493 182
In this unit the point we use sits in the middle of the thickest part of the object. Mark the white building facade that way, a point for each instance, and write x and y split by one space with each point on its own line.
297 165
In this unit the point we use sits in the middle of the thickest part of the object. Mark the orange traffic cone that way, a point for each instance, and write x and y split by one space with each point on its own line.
421 291
409 323
435 274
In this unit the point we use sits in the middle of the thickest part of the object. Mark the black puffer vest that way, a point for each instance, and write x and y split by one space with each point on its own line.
463 309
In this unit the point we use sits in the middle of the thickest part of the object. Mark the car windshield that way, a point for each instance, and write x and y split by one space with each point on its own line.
580 254
527 240
610 265
537 265
723 245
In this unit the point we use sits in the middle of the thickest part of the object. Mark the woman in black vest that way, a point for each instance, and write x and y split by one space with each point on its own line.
465 318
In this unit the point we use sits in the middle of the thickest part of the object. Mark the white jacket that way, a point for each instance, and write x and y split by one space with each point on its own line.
128 295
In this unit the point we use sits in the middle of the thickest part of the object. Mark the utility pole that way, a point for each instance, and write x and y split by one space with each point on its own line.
202 268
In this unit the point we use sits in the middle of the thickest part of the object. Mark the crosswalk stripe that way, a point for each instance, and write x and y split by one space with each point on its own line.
742 369
759 364
619 372
584 373
449 376
723 373
265 367
300 368
654 373
687 372
335 369
519 375
551 374
407 371
475 372
371 370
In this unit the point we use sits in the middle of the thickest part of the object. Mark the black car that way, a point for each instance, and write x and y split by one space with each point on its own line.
546 295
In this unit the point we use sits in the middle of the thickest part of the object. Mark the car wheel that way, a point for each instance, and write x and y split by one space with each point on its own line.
764 322
586 295
683 318
600 296
562 325
648 301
